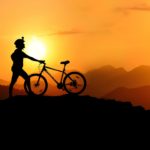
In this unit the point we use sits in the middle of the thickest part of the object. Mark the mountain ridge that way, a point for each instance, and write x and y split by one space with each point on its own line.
137 96
107 81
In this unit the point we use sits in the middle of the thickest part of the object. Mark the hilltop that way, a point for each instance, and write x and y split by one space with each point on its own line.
67 105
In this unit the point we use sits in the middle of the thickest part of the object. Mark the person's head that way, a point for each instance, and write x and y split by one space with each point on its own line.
19 43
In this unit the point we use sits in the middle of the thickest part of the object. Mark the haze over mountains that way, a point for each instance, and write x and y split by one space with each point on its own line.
108 78
110 82
137 96
107 82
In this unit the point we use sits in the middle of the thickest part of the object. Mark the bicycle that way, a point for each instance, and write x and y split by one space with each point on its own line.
72 83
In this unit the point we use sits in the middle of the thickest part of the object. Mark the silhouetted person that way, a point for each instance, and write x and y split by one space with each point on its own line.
17 57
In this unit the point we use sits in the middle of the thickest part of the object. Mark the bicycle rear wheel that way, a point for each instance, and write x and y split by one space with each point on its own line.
74 83
38 84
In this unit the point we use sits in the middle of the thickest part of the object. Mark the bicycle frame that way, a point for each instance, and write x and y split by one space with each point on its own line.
70 82
45 69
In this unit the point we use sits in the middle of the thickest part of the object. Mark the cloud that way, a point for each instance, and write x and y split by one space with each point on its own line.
138 7
71 32
66 32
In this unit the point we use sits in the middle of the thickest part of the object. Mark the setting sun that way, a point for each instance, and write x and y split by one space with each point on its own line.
36 48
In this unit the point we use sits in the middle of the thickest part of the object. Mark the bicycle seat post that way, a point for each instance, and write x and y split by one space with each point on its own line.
64 68
65 63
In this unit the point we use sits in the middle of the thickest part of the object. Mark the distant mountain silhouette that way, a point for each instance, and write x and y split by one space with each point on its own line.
4 92
67 105
108 78
19 89
3 82
137 96
101 81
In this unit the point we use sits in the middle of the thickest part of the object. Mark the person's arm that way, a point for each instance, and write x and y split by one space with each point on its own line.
31 58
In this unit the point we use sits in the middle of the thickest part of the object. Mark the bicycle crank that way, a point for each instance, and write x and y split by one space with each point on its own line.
59 85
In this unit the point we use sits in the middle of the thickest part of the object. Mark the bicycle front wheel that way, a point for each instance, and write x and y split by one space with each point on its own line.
38 84
74 83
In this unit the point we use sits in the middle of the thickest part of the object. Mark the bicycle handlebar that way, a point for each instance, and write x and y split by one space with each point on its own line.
42 62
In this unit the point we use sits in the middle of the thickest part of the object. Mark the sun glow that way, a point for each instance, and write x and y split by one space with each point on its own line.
36 48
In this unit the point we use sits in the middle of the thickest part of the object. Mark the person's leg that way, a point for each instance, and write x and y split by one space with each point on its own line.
14 78
25 76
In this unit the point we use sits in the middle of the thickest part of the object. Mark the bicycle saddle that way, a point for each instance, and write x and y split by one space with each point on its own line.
65 62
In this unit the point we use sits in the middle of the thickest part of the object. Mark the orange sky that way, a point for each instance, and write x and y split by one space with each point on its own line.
90 33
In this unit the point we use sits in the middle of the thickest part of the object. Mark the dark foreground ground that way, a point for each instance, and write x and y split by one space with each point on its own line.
67 105
73 114
73 120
